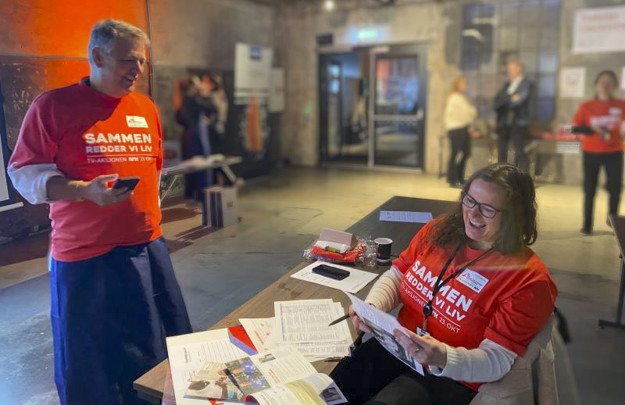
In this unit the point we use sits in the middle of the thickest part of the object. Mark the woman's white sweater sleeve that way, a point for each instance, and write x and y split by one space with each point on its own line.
489 362
384 294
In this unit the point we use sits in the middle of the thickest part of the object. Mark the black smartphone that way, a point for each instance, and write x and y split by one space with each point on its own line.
582 130
126 182
331 272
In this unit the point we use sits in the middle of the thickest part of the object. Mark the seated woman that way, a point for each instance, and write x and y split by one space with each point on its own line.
471 282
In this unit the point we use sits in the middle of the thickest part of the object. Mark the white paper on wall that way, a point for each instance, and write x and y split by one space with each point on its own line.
572 82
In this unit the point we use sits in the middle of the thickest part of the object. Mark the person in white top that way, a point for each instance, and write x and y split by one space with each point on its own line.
459 114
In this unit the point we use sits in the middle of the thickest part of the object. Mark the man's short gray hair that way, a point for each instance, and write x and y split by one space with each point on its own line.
105 31
515 60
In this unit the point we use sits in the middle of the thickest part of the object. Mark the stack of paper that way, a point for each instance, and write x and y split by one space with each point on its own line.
304 324
188 354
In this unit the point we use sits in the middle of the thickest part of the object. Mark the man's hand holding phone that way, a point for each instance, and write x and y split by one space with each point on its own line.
97 190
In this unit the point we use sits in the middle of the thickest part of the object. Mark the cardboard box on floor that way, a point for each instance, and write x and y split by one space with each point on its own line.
220 207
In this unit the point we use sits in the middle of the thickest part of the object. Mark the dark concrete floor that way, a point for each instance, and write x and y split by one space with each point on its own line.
219 270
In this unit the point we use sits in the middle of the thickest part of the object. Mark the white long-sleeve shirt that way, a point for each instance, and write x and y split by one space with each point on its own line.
459 112
489 362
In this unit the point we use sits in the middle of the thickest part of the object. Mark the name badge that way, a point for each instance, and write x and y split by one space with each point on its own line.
615 111
135 121
473 280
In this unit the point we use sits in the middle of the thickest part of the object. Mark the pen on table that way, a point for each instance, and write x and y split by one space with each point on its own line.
341 319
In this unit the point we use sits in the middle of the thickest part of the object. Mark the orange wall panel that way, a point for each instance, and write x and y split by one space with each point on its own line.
60 27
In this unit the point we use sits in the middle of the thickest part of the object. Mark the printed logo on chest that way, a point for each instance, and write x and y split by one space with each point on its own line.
136 121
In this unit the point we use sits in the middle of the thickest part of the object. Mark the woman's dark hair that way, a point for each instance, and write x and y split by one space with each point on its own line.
518 225
607 72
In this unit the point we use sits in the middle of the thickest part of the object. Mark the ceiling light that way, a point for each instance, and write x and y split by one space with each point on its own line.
329 5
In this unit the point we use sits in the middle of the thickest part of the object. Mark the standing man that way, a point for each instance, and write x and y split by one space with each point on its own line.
513 114
114 294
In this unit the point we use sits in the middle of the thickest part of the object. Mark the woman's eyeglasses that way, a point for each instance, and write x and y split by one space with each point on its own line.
486 210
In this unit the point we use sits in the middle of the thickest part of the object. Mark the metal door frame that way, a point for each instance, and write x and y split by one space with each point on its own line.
421 115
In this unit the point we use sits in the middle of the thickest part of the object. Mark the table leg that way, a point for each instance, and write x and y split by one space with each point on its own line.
619 310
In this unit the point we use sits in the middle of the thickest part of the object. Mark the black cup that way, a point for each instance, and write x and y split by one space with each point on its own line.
383 250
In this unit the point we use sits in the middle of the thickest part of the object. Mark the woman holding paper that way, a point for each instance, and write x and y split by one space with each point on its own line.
474 295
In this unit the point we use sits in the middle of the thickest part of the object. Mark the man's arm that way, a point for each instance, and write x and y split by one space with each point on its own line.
522 93
60 188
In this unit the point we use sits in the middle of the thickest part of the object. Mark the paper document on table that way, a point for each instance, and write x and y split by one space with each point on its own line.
189 353
283 377
406 216
315 389
383 325
307 321
259 330
281 366
355 282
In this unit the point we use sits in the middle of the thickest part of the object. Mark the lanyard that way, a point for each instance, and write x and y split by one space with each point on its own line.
427 308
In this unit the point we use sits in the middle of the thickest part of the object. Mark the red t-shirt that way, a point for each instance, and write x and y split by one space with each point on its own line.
506 299
608 114
88 134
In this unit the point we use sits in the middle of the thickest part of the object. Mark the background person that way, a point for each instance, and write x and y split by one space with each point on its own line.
512 105
495 293
114 296
459 114
606 115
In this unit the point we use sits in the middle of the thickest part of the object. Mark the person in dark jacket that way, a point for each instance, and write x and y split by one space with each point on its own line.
513 114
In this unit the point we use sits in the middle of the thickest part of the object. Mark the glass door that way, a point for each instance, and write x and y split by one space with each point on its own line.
343 107
397 108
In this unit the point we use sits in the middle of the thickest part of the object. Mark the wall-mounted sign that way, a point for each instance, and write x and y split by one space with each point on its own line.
7 198
276 91
252 72
572 82
599 30
366 35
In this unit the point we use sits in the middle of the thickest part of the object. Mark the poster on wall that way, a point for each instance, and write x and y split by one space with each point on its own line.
572 82
7 200
252 82
252 72
276 91
599 30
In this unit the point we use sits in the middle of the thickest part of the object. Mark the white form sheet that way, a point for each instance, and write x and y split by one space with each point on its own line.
306 321
406 216
281 366
355 282
383 326
188 354
259 330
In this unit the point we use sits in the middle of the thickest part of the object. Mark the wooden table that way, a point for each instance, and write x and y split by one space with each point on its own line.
618 224
150 385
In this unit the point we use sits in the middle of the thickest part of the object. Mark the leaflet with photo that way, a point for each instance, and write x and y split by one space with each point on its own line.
211 381
282 376
383 325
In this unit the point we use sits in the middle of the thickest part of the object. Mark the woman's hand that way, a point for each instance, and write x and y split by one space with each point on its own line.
424 349
359 325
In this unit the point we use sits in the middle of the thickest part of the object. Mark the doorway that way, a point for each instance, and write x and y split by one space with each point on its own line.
372 104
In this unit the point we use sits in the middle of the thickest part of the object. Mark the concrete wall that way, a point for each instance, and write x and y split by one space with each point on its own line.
424 22
200 34
438 24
